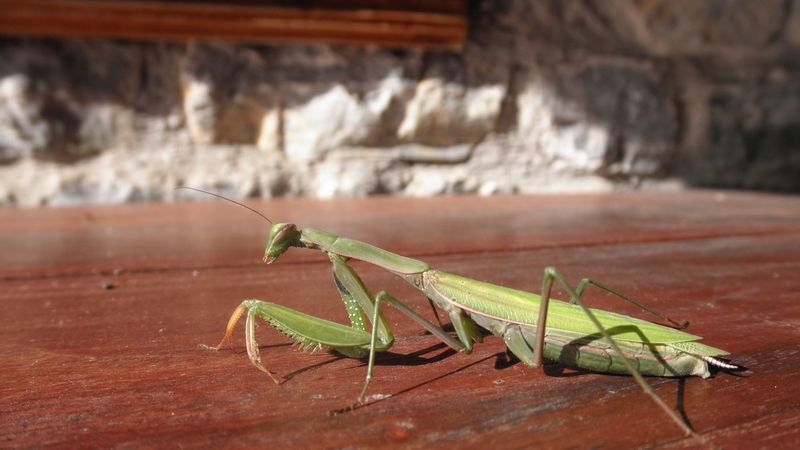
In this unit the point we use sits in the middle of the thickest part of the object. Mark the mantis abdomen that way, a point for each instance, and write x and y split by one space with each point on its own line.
570 338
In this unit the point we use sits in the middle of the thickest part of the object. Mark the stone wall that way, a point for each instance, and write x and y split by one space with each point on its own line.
546 96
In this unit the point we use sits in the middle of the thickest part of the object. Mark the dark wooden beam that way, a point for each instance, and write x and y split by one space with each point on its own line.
382 23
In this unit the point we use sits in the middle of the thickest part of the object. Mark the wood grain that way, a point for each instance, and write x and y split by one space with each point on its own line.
441 23
103 309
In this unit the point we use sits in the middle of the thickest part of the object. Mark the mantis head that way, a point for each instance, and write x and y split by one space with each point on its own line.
281 237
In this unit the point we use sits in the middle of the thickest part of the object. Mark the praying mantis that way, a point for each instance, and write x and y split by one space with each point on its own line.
532 326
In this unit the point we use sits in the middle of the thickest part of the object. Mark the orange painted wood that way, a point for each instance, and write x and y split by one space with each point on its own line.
103 310
441 23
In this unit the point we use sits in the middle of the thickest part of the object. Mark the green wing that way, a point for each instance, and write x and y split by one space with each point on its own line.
523 307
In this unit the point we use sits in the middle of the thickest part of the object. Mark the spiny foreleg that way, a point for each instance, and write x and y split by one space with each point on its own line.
308 331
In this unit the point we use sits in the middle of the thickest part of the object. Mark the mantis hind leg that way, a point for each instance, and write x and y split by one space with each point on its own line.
550 275
588 281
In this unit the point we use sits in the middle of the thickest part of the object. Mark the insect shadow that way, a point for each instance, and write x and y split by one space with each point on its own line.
333 358
436 378
413 359
383 359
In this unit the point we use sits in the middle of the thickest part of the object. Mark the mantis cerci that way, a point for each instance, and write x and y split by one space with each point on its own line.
533 327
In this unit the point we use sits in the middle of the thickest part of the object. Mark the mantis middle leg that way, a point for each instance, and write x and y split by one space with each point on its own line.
437 331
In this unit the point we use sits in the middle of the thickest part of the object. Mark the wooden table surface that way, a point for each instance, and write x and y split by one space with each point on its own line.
103 310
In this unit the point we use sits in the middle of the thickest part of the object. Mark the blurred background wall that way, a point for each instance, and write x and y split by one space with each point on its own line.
544 96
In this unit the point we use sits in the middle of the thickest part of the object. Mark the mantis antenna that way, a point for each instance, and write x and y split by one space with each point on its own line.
226 199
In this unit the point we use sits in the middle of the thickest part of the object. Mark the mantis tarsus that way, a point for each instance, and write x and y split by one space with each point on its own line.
573 334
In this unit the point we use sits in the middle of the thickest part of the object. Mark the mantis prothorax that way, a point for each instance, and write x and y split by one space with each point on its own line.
532 326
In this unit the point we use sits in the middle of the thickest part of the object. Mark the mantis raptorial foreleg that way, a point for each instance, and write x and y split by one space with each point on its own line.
550 274
350 286
309 331
587 281
252 345
357 300
313 332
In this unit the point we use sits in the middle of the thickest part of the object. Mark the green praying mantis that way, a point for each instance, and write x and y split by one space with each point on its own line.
532 326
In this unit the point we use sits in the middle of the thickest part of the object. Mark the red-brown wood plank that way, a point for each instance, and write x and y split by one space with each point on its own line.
58 242
93 366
